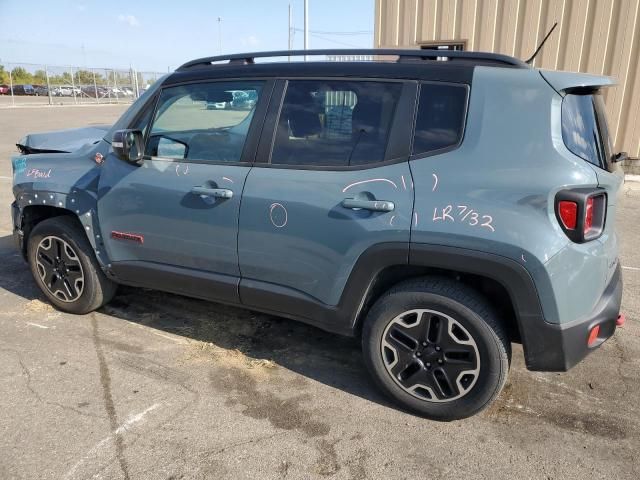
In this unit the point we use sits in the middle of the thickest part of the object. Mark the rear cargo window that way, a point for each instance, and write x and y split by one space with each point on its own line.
584 128
441 117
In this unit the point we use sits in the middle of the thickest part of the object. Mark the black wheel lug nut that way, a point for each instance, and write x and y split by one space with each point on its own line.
428 365
440 361
424 344
437 348
418 354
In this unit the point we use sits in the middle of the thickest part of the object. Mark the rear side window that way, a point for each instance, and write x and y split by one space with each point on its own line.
338 123
584 128
441 116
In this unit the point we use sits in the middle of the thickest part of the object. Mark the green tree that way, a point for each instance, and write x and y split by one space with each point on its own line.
40 77
83 77
4 75
62 79
20 75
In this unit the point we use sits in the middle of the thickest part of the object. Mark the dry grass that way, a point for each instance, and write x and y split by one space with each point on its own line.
36 305
206 351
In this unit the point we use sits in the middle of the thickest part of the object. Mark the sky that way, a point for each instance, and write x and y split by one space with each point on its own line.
157 36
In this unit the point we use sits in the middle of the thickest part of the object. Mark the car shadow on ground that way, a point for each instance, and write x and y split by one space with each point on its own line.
327 358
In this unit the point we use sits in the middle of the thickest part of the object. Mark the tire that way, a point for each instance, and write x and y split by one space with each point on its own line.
436 347
59 254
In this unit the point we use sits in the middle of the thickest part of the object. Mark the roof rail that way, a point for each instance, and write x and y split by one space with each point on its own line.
402 54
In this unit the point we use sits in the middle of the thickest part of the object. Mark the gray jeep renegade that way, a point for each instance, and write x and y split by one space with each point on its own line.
438 205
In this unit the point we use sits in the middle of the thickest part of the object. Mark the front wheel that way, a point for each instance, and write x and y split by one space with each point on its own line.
65 268
436 347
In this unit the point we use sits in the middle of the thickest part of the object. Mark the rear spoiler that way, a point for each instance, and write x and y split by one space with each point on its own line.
570 82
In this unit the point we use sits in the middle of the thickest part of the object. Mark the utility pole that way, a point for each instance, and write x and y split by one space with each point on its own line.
306 26
220 35
290 46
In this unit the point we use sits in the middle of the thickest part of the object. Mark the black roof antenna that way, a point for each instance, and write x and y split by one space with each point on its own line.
532 57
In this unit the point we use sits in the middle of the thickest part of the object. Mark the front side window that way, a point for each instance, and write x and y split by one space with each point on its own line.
203 122
441 116
581 129
339 123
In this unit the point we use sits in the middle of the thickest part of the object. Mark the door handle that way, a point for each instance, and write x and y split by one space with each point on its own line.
373 205
213 192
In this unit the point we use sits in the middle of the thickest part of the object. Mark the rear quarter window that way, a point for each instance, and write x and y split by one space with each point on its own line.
584 129
441 117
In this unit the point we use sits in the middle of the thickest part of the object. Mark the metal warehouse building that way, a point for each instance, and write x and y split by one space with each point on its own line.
594 36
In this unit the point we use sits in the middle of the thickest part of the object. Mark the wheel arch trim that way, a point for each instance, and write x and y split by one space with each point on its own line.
80 205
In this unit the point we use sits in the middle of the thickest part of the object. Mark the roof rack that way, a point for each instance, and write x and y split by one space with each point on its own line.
402 54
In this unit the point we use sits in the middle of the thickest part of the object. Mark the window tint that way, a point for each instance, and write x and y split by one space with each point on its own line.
441 116
580 128
205 121
335 123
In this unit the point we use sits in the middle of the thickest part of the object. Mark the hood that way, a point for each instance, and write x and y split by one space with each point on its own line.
58 141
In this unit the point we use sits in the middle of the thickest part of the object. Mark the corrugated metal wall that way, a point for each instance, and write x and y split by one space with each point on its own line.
595 36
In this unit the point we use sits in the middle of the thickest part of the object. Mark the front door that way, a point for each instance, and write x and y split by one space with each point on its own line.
172 222
334 181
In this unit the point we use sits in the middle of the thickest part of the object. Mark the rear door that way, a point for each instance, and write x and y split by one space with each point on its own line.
331 181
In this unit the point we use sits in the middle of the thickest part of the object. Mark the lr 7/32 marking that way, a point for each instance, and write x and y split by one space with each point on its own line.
464 214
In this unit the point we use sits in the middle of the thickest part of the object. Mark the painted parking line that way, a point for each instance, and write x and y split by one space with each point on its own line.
2 177
636 269
36 325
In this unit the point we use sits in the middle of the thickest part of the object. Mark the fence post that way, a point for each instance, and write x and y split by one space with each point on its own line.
115 85
95 85
137 86
46 74
73 86
13 100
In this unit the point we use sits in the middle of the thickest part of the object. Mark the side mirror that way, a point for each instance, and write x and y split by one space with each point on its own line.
128 145
620 157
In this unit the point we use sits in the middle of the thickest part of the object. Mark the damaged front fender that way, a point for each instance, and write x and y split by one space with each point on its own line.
46 185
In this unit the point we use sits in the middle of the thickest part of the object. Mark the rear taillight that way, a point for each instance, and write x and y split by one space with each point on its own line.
581 213
588 216
568 212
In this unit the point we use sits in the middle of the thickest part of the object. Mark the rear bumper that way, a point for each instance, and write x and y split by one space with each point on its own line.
558 347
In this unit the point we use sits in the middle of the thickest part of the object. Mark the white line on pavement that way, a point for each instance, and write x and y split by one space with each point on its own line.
96 450
36 325
631 268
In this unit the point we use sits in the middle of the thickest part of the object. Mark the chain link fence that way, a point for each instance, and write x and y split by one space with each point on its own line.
34 84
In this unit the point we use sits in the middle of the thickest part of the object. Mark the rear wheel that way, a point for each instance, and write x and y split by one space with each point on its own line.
65 268
436 347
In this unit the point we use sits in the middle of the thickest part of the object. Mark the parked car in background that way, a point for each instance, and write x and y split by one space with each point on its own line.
244 100
41 90
62 91
94 91
115 92
24 89
4 89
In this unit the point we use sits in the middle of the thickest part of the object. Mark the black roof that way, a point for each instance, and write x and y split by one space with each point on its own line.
410 64
402 54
